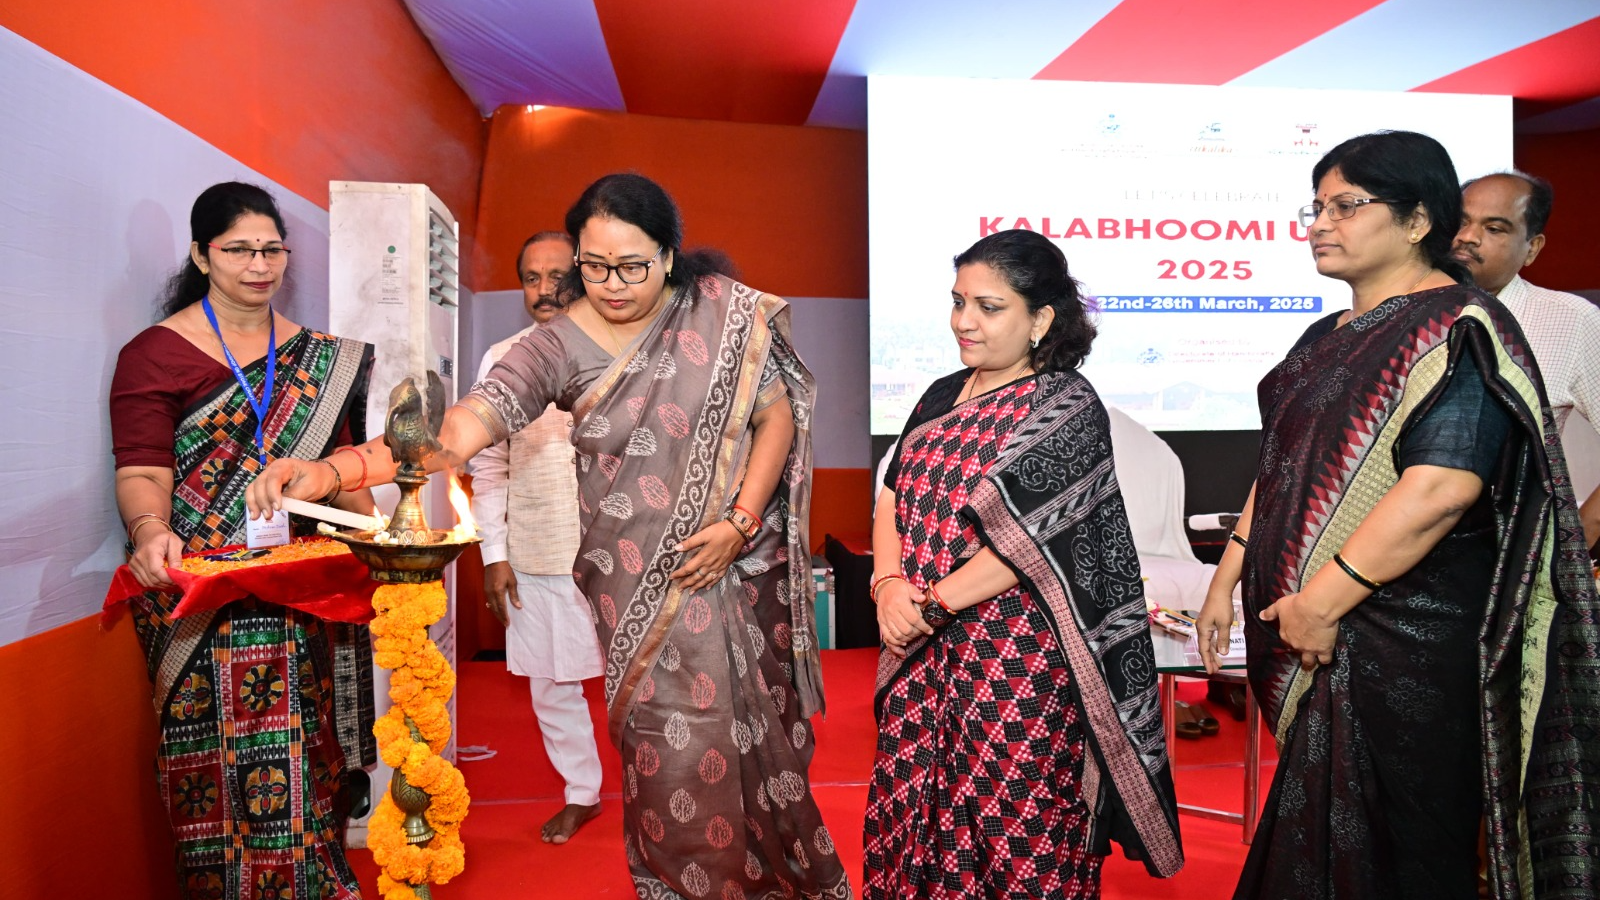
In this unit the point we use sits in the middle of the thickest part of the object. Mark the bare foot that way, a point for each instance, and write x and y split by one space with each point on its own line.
565 824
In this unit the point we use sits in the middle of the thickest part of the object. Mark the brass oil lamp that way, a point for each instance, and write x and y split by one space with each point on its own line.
414 553
408 551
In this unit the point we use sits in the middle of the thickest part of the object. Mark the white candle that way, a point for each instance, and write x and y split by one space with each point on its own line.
329 514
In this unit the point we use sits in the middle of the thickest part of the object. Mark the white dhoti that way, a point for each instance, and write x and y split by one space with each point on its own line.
551 640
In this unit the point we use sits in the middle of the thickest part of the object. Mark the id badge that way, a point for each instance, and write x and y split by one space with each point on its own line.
265 532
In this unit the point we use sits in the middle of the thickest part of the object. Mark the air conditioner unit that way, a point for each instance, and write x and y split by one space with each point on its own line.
394 281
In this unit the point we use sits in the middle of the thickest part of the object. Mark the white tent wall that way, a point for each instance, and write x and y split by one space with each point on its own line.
95 190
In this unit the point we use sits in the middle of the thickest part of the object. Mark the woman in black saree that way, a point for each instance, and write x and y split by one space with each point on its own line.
1420 624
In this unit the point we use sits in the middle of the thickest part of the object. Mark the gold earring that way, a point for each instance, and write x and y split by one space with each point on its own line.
1415 237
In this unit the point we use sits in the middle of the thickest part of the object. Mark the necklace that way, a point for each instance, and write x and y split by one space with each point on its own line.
609 330
613 332
1353 312
1419 281
968 392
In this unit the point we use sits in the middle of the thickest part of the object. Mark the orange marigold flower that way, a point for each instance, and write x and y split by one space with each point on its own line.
420 689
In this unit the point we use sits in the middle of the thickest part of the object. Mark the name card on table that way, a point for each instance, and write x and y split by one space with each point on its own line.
265 532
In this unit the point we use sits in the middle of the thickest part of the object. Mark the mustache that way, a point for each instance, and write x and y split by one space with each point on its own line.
1467 251
549 303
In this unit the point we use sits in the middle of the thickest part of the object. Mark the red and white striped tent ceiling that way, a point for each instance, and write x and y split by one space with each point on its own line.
795 62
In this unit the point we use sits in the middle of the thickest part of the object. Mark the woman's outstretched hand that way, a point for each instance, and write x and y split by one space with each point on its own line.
1303 630
712 549
1212 629
298 478
900 615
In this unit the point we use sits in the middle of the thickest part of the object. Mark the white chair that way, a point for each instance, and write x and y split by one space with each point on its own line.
1151 478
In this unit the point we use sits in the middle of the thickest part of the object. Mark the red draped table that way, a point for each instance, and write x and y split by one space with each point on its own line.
314 575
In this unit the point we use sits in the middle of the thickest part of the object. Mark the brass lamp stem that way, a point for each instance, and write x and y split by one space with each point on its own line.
410 523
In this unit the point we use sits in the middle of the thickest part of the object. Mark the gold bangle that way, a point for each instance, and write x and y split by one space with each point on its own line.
134 534
872 591
1360 579
132 524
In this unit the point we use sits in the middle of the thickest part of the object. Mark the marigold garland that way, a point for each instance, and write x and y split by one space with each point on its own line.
419 689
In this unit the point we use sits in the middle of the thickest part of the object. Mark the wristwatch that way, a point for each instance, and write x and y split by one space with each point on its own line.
742 522
936 615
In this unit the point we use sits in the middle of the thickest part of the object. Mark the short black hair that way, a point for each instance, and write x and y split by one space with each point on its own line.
1405 168
1034 267
542 236
1541 197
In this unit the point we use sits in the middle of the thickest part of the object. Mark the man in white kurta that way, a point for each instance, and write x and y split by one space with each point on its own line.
525 497
1502 231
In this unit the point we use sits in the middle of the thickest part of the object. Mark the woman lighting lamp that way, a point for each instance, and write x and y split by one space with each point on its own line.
1018 725
691 422
1420 625
250 760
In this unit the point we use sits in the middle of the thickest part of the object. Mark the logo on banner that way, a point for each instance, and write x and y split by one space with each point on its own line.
1211 139
1303 140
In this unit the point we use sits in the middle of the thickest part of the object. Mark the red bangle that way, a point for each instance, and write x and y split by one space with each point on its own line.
933 594
872 591
359 458
753 517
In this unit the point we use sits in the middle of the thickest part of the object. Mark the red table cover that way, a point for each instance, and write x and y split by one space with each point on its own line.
333 587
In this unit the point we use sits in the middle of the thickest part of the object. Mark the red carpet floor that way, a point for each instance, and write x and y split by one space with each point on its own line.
517 790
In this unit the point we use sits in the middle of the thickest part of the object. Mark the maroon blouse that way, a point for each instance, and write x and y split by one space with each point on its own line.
159 376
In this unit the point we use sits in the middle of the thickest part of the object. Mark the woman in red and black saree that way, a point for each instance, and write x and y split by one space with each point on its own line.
260 707
1421 626
692 433
1019 729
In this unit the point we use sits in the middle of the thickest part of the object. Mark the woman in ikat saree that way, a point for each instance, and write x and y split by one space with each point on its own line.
260 707
1428 661
1019 730
692 433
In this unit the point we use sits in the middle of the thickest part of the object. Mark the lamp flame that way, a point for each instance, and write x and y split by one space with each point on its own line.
466 526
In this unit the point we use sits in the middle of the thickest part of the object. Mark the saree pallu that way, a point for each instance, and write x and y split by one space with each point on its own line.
1018 741
250 755
709 692
1464 690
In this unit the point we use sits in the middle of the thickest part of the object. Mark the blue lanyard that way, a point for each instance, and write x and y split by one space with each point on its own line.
262 407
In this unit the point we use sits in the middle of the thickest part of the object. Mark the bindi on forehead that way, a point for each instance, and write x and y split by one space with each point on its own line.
592 254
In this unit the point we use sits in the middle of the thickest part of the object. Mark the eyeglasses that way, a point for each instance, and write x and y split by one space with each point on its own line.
629 272
241 255
1341 207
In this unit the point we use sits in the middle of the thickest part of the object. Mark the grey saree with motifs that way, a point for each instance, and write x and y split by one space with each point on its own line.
709 691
